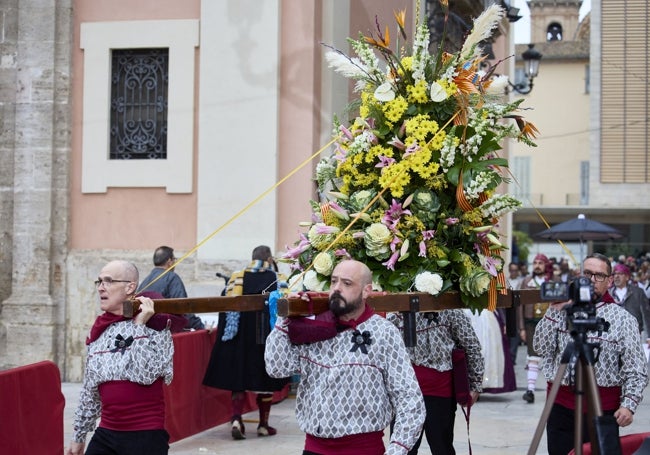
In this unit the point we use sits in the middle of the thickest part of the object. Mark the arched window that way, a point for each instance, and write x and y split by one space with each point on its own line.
554 32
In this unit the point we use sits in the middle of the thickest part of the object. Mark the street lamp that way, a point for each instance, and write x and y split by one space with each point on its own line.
531 69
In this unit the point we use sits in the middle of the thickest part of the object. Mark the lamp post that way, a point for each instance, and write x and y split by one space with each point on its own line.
531 69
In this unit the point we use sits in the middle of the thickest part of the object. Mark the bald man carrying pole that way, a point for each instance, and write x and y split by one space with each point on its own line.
354 381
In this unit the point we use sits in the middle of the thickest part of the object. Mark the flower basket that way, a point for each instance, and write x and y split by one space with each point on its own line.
410 188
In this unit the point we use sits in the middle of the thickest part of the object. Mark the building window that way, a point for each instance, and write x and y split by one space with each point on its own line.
554 32
138 132
584 182
139 101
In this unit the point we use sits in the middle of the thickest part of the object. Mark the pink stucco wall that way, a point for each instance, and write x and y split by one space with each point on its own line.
126 218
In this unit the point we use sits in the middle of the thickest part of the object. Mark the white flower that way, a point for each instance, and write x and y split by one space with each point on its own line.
346 66
385 92
438 93
323 263
312 283
428 282
483 26
498 85
295 282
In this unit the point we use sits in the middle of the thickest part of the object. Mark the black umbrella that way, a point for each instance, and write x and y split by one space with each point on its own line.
580 229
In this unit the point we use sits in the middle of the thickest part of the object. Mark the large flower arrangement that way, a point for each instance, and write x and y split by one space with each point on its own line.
410 188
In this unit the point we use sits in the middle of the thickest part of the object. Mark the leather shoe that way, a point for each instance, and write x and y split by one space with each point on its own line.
529 396
238 431
265 430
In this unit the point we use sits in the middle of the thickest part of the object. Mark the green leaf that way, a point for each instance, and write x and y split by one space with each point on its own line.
453 174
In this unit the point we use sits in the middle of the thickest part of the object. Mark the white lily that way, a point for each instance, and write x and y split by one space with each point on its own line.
385 92
438 92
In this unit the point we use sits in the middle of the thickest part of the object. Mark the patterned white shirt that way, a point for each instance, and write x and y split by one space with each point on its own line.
440 332
345 391
125 351
621 361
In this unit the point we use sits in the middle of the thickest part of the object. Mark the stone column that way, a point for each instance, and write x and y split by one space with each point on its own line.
29 316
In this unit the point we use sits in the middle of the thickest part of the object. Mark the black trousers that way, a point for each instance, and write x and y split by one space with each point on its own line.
144 442
560 429
438 426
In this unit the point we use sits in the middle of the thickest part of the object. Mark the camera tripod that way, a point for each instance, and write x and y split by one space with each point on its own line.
602 429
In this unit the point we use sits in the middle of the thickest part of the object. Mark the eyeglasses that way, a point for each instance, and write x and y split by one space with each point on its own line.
600 277
107 281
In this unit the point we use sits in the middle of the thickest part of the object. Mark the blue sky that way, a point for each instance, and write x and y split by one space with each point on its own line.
522 26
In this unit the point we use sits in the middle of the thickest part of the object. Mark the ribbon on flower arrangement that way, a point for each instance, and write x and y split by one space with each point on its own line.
500 278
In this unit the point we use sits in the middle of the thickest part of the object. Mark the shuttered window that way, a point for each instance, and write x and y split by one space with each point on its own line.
625 94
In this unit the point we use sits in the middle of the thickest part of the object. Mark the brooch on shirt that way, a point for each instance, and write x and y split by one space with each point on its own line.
431 317
121 344
360 341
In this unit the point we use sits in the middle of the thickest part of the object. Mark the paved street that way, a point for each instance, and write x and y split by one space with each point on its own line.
500 425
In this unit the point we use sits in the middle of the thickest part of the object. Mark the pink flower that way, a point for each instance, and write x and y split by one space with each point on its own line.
394 214
428 235
397 143
423 249
295 252
384 161
390 263
340 211
342 253
489 264
324 229
346 132
411 149
451 221
340 154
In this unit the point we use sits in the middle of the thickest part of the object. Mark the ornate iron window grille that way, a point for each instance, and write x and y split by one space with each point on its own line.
139 100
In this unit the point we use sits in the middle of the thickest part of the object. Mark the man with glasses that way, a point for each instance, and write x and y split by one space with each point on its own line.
621 370
128 361
170 285
630 296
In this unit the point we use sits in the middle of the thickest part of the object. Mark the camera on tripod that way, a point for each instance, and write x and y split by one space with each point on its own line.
579 290
582 312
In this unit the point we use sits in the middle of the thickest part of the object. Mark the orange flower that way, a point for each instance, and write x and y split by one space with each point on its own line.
383 43
527 129
400 18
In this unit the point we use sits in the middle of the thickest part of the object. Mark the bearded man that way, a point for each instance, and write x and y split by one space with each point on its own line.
355 379
529 316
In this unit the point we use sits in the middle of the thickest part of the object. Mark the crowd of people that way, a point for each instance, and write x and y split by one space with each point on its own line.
357 377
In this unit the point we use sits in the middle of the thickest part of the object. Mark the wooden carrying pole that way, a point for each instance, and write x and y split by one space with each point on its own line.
382 302
407 303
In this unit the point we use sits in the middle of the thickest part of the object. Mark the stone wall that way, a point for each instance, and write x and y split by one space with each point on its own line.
34 178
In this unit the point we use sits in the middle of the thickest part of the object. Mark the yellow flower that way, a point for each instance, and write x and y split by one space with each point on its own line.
393 110
418 92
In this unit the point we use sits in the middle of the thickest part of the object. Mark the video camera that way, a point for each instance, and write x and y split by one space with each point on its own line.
580 290
582 312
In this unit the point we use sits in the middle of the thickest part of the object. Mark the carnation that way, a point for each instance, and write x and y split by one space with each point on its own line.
311 282
428 282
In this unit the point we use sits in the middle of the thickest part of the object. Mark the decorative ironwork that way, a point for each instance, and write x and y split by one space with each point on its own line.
139 99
